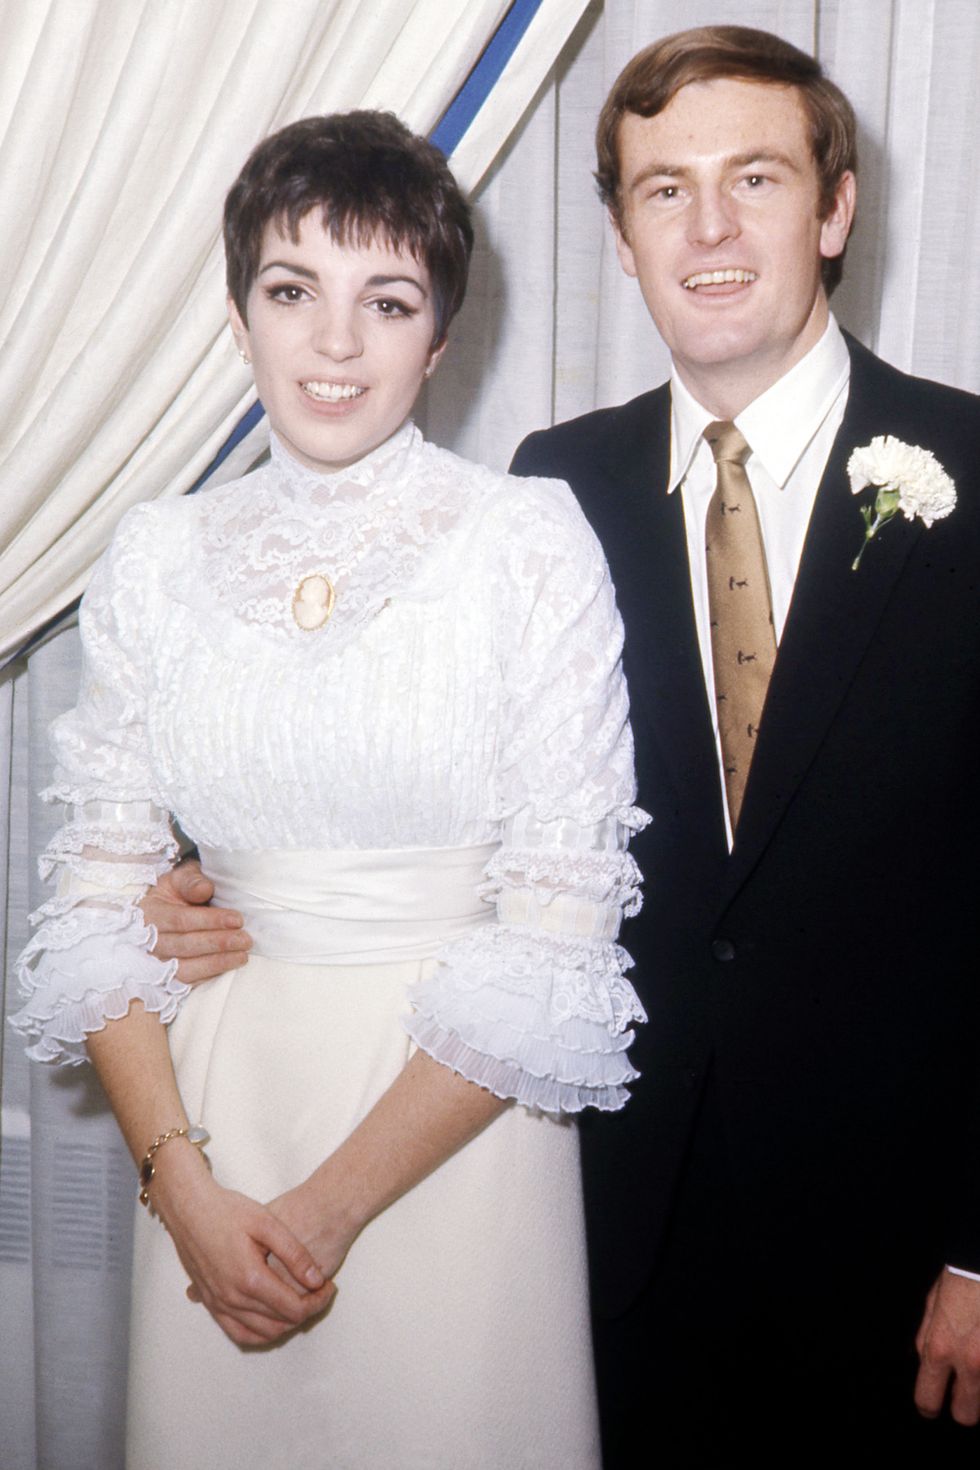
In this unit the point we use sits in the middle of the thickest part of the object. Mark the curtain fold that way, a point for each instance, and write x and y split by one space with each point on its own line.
118 378
911 286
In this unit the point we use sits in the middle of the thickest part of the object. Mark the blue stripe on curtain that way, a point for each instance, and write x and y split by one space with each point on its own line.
480 83
244 426
446 135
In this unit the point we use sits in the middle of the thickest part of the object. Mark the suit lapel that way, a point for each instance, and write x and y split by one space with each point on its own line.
662 659
832 618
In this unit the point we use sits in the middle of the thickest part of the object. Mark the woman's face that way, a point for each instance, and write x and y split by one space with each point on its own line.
340 342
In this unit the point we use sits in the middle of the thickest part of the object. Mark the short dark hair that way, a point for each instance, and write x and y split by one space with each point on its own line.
372 179
655 75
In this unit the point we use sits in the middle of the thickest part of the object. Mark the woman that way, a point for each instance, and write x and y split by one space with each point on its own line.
380 688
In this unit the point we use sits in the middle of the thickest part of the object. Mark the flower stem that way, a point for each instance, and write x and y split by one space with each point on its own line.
867 537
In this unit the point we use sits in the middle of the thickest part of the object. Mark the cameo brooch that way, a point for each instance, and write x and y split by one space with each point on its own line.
313 602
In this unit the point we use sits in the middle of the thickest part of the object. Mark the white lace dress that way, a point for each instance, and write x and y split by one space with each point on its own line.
423 807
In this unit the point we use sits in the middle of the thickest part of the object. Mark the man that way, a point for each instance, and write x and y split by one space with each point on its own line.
799 1162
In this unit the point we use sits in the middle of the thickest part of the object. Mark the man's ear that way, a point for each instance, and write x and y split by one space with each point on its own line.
623 248
837 225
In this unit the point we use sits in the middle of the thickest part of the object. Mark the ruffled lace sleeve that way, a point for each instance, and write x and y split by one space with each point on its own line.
89 958
536 1006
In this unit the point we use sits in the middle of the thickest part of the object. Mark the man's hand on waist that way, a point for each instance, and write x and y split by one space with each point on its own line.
204 939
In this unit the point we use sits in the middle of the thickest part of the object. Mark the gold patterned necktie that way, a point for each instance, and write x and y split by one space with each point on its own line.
743 641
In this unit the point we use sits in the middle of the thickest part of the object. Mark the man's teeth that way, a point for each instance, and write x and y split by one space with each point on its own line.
333 392
718 278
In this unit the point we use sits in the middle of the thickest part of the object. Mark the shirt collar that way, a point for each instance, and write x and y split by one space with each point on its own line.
780 423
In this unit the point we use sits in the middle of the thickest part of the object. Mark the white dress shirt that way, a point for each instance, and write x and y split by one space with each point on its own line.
790 429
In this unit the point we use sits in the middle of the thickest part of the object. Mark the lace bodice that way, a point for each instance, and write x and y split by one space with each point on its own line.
465 690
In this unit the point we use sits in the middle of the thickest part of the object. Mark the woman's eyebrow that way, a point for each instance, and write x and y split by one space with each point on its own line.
292 267
393 280
372 281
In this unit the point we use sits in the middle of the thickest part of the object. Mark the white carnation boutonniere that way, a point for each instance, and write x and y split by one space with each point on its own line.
909 479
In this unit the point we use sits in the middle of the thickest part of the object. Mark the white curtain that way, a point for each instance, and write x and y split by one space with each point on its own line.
126 121
911 288
65 1181
551 329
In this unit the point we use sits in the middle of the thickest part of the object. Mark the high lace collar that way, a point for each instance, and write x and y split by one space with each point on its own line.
380 469
372 530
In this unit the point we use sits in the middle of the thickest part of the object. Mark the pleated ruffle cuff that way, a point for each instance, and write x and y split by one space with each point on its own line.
85 967
610 878
528 1016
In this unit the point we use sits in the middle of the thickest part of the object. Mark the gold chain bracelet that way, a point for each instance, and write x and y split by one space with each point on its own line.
194 1134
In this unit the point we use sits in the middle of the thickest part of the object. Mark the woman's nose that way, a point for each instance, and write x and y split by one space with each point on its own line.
335 334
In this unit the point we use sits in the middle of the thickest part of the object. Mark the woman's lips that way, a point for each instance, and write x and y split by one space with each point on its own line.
327 392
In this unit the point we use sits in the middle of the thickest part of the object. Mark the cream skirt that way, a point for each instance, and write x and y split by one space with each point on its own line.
459 1337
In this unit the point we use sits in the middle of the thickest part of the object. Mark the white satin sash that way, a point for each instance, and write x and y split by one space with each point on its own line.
353 906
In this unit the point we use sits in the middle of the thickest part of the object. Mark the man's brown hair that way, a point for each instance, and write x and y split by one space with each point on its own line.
655 75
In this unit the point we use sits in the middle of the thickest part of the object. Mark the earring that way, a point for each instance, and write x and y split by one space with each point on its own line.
246 360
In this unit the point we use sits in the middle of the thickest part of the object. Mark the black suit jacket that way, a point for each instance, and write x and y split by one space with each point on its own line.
826 970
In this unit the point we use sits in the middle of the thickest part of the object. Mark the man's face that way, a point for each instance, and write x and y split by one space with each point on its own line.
724 181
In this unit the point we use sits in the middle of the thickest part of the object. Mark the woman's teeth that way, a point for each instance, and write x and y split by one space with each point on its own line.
332 392
718 278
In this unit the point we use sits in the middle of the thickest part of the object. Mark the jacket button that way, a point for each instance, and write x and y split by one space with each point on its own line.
722 950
